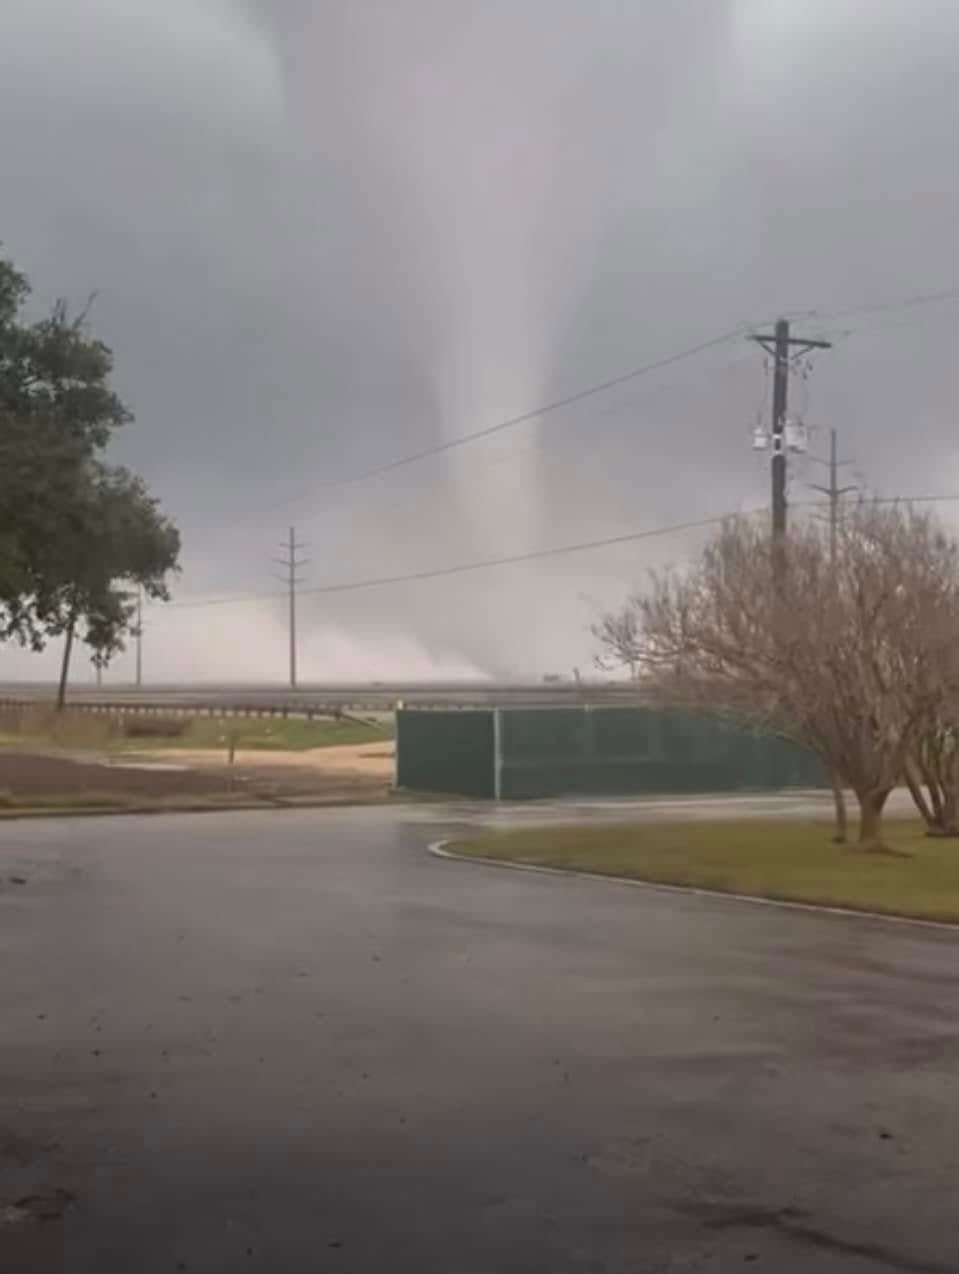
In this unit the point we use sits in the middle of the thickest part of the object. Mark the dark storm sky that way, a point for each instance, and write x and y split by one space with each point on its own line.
328 234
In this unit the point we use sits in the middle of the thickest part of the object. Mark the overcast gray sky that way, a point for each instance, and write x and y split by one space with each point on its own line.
328 233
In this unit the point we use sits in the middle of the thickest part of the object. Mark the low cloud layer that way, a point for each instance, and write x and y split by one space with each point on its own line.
326 235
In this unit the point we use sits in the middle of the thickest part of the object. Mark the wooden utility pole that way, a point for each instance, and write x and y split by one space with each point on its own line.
139 636
292 564
783 347
780 405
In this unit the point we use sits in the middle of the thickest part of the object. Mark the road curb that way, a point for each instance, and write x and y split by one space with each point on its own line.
265 807
440 849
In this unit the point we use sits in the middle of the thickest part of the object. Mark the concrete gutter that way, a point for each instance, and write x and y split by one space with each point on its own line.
184 807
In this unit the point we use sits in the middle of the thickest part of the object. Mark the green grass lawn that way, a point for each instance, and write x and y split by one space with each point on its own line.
794 861
267 734
84 731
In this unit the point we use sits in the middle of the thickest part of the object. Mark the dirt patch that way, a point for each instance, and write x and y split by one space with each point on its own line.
358 772
24 776
373 760
28 779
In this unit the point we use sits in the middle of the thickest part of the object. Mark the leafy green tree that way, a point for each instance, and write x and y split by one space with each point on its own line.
75 533
115 541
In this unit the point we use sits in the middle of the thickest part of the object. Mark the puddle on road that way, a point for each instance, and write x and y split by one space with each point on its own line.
165 767
35 1209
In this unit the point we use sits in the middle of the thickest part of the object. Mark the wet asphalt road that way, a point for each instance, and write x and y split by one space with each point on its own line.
294 1042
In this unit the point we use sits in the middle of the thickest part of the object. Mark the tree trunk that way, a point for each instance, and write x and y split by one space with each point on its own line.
871 805
940 809
65 665
949 820
949 790
931 768
914 784
946 820
839 801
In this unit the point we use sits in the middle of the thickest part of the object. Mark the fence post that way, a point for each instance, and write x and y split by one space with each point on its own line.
589 733
397 712
497 754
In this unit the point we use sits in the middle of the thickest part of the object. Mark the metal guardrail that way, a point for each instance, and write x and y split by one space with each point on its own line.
323 700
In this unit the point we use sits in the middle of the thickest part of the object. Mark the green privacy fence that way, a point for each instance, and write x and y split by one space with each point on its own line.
524 753
453 751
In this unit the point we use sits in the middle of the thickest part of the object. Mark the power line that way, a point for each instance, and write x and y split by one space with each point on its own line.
570 400
528 416
615 409
203 602
537 554
935 320
914 499
305 492
511 422
878 307
903 303
484 564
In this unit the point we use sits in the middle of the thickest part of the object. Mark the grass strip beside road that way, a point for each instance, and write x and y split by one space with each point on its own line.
268 734
782 860
132 732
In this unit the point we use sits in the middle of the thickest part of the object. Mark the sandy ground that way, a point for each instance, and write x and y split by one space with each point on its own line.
352 774
374 760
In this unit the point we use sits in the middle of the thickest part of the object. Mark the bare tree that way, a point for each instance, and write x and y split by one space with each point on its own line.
620 638
932 769
847 656
932 776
